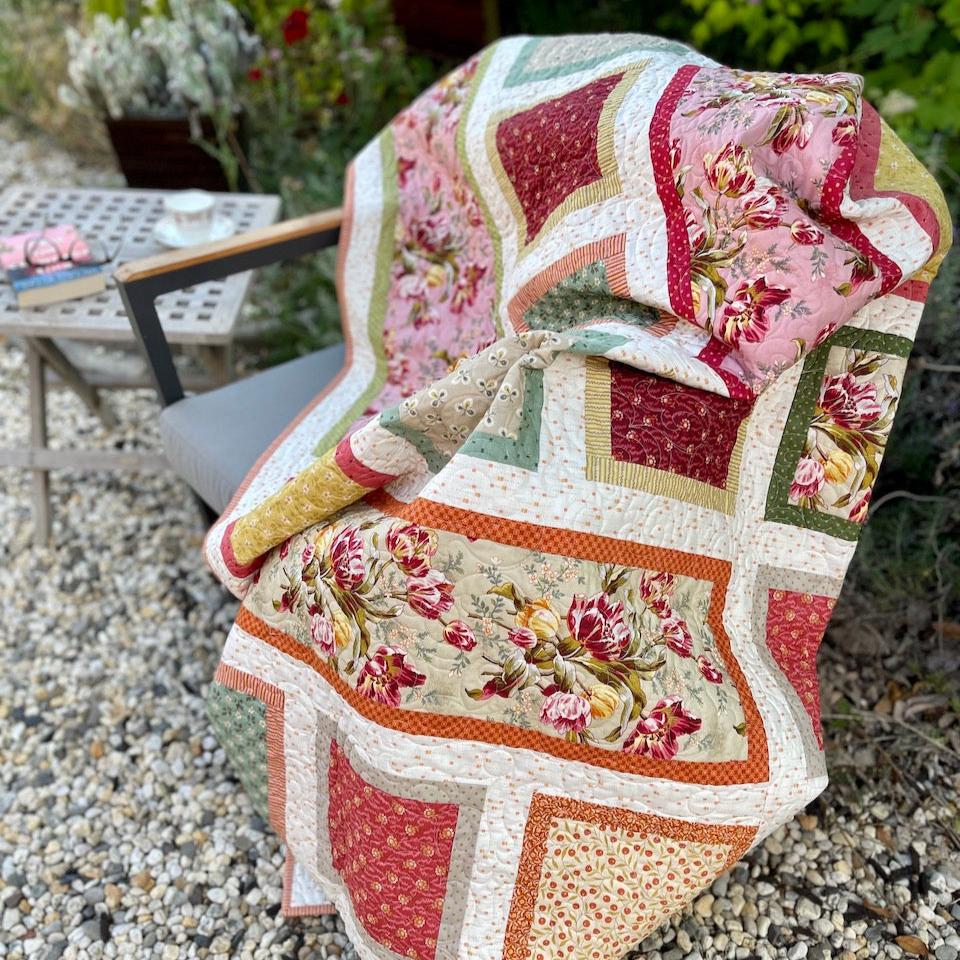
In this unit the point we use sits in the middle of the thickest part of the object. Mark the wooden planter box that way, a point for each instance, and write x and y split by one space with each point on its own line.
158 153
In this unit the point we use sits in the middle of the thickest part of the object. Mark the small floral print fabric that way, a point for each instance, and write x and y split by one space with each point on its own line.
532 593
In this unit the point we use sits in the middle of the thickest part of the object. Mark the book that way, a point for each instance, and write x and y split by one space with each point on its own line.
50 279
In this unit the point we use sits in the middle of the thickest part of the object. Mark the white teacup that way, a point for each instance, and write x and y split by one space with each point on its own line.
192 213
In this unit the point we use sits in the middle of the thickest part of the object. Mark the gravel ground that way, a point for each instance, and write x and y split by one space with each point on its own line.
124 834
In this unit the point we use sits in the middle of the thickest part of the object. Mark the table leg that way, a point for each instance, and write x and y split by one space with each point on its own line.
73 378
219 362
38 438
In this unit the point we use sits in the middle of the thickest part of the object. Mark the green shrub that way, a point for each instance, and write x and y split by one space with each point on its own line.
33 64
329 79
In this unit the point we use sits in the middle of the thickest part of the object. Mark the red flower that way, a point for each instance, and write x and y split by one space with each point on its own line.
466 287
499 686
404 166
294 27
806 233
745 315
863 270
655 591
255 74
655 736
848 403
762 210
676 153
523 637
431 234
430 595
386 674
459 635
845 131
514 673
412 547
709 671
790 128
598 625
859 512
346 558
565 712
343 98
677 636
730 171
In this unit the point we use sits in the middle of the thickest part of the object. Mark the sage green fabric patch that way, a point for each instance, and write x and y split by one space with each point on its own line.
240 724
585 296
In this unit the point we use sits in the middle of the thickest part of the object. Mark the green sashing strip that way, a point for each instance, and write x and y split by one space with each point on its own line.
779 509
461 142
378 296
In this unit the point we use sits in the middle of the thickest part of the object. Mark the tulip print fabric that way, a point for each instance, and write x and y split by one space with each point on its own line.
532 593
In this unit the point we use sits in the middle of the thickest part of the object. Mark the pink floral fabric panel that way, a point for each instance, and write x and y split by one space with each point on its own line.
442 286
751 169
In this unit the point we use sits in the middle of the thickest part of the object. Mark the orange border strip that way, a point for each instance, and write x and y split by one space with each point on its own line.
532 536
544 808
273 697
754 769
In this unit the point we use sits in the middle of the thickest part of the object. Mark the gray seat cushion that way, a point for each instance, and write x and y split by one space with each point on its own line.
213 439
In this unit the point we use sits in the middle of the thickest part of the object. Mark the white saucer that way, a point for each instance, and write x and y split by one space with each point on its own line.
166 232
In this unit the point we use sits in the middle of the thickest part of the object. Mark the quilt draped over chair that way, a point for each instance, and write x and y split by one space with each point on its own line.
532 593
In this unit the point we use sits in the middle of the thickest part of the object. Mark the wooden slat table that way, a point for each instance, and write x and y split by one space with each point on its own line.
203 316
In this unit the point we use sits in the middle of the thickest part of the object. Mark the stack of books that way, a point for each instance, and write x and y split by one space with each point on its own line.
51 269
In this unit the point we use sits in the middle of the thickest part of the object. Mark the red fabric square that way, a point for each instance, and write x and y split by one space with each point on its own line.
795 626
393 854
668 426
550 150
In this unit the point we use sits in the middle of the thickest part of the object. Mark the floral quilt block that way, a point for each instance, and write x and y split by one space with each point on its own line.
837 431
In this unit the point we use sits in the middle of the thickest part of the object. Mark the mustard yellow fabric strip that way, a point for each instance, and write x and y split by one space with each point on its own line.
315 493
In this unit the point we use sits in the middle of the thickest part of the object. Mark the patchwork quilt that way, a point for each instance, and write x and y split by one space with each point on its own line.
532 593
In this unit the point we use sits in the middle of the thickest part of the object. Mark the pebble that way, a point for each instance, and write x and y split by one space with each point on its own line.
704 905
807 909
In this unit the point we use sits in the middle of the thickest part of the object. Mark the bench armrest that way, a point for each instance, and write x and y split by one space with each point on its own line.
140 282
